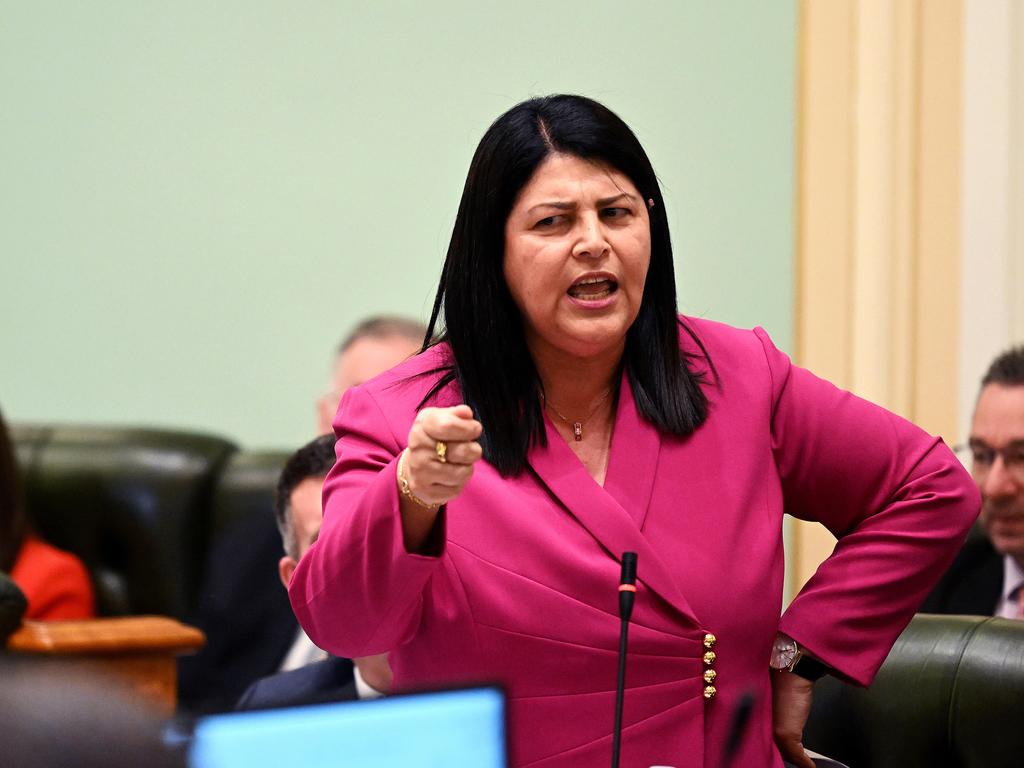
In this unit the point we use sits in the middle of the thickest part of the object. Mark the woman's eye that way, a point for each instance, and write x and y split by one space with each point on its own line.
615 213
548 222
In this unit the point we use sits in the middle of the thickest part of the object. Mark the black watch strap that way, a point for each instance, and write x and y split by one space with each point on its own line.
809 669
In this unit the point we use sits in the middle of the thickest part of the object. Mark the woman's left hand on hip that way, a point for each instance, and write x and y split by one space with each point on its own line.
791 704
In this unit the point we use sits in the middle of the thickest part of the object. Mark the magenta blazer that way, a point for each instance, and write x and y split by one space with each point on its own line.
525 589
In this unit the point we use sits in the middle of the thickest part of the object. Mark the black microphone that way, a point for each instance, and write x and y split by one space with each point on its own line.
738 727
627 594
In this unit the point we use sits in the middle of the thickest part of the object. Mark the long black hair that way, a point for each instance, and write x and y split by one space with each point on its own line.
13 521
482 325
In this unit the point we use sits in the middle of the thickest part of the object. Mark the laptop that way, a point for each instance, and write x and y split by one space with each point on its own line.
442 729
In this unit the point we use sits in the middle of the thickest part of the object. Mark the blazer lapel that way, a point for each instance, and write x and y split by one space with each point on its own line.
636 445
598 510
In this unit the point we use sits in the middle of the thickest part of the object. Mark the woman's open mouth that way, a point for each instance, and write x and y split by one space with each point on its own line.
593 288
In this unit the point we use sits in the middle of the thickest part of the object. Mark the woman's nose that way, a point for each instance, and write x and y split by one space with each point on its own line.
591 241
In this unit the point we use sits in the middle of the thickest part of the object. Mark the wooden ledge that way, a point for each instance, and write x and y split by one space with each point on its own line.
123 635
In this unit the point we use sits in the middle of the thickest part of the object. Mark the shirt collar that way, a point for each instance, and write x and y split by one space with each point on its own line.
1013 577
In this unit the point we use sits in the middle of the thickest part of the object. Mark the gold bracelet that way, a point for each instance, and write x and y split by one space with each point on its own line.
403 486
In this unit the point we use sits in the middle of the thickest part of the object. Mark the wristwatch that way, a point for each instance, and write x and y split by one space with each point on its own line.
788 655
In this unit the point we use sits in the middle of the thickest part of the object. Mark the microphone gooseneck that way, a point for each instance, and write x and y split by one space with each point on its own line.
627 594
738 728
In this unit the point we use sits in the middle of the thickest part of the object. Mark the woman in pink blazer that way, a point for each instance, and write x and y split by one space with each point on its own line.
485 490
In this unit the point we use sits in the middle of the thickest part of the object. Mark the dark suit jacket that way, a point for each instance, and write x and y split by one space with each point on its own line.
974 582
319 683
12 607
244 611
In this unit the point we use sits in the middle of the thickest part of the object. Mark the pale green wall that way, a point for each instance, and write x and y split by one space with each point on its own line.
199 198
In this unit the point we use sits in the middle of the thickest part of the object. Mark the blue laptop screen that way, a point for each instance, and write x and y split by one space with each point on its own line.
463 727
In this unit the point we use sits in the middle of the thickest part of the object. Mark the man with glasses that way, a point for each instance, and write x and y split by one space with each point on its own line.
987 577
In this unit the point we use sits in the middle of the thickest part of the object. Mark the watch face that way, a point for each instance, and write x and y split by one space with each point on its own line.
783 654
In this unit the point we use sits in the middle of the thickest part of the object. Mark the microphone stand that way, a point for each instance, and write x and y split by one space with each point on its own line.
738 728
627 594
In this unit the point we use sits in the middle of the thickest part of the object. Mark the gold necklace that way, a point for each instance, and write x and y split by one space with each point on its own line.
577 426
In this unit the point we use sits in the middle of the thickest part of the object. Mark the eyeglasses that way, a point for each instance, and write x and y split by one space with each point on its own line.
984 456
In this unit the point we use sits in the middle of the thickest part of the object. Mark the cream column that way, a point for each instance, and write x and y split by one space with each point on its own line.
992 290
1016 271
878 225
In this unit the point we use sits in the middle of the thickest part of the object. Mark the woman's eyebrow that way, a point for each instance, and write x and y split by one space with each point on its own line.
564 206
609 200
557 204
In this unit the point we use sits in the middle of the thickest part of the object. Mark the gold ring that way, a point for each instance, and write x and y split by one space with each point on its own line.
441 448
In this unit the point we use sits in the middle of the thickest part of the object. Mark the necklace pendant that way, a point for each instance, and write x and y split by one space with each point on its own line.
577 431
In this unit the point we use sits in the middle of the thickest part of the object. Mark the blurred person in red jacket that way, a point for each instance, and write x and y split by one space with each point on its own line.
55 582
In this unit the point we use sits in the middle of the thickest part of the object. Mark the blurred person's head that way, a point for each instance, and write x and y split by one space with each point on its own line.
49 718
299 514
372 347
997 452
13 521
297 503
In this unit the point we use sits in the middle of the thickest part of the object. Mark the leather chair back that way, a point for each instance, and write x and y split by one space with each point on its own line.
950 695
134 504
246 488
242 607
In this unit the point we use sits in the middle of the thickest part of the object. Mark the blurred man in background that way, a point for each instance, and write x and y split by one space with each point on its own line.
373 346
311 676
250 629
987 578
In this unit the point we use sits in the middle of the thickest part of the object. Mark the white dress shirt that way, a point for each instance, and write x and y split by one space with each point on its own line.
1013 579
304 652
301 653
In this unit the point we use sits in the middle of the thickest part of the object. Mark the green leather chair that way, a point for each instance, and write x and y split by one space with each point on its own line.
950 695
246 488
134 504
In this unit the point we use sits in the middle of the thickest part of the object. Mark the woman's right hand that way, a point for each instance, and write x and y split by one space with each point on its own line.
431 480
